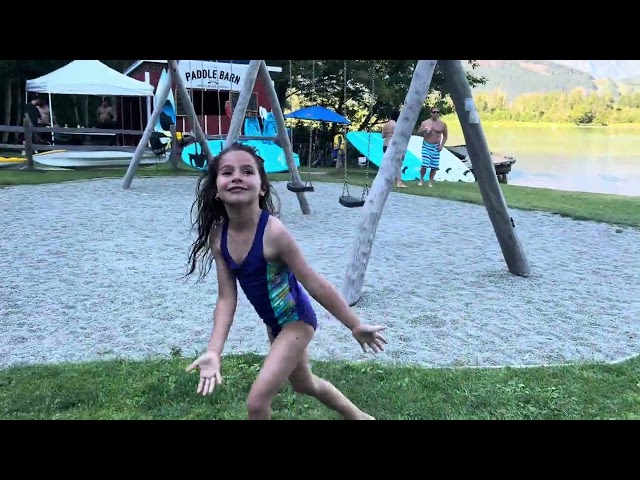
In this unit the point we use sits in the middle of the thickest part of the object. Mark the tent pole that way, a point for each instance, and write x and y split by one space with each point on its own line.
53 135
147 79
26 100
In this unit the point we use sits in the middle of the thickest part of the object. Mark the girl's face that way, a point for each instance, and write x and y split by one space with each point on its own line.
238 181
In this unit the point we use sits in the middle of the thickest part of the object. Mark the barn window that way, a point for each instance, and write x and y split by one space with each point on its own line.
253 102
205 102
211 102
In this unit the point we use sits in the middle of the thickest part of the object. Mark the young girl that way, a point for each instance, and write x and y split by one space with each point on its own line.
235 225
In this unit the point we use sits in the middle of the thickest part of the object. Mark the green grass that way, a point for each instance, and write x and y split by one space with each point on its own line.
614 209
160 389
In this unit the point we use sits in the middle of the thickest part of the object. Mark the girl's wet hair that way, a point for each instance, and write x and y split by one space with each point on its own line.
211 210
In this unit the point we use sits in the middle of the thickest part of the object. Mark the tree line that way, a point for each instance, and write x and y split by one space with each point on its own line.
576 107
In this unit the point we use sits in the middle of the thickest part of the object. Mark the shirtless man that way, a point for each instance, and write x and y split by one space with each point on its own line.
387 132
45 120
45 113
106 118
435 133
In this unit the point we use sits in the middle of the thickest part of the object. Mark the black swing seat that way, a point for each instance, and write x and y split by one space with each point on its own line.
350 201
157 145
197 160
299 187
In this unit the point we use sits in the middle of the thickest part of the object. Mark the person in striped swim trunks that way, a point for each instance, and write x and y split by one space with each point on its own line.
434 132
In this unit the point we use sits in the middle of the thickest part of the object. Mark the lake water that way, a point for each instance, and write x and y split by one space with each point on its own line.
600 160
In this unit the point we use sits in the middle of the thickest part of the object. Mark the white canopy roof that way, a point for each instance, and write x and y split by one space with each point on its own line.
89 77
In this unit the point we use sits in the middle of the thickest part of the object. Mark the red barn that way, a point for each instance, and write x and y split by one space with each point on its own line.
211 84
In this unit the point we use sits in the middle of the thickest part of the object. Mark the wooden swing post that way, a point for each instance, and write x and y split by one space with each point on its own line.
483 169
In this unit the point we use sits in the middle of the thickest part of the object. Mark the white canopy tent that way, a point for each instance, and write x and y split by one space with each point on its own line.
88 77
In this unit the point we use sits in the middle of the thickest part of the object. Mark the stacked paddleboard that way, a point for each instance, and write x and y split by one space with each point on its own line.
451 168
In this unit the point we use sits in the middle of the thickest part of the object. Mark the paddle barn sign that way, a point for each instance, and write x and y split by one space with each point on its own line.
198 74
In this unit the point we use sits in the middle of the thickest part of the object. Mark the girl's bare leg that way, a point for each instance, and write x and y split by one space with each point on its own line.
287 350
304 382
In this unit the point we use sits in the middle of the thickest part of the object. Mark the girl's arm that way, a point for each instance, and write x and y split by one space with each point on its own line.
227 300
281 245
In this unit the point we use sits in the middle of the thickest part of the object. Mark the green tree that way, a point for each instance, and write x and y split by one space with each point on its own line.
322 82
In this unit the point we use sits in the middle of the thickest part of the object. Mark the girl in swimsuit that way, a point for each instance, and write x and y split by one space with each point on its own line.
238 231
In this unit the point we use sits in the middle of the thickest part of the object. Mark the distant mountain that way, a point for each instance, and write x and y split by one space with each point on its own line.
518 77
618 70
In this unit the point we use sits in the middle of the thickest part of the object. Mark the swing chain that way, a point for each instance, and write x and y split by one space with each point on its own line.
291 87
345 186
365 189
311 128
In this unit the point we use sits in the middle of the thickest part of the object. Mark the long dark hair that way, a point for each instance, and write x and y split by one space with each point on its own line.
211 210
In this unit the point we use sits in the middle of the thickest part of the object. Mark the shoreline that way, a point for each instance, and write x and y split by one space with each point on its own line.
488 123
328 177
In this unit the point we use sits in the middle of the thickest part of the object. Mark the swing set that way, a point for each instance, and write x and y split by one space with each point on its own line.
346 199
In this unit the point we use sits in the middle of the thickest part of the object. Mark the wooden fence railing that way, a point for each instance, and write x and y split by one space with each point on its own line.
29 147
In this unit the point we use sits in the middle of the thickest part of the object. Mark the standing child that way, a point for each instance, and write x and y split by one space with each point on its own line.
235 225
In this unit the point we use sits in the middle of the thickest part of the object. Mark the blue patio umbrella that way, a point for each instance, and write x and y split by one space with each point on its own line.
319 114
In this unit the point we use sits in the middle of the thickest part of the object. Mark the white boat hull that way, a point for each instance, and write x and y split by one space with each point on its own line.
98 158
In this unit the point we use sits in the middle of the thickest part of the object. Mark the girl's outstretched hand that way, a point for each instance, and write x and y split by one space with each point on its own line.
367 335
210 376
